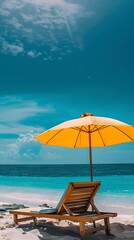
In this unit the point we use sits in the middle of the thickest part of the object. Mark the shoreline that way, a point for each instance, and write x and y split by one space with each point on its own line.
121 203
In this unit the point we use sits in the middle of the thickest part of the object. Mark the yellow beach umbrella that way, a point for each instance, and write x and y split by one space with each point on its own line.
88 131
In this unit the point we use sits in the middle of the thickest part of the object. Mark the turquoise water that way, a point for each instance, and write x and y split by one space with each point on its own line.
34 185
112 184
115 194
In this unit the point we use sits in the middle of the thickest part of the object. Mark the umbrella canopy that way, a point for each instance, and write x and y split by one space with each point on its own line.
88 131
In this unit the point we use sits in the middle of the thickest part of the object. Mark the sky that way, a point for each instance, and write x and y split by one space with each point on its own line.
59 59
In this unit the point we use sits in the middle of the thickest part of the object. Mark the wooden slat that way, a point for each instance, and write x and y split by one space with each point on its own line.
81 184
76 212
78 200
79 211
84 189
81 193
83 203
77 207
73 208
79 197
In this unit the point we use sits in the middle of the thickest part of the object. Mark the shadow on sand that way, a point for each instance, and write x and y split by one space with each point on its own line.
67 231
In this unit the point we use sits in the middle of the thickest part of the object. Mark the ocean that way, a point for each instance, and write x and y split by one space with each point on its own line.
35 185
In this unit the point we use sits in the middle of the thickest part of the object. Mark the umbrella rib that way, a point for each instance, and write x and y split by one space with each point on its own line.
101 137
77 137
53 136
99 128
80 129
87 131
123 132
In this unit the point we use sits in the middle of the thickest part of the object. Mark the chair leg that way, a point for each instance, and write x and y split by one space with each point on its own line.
94 226
82 231
15 218
107 225
34 219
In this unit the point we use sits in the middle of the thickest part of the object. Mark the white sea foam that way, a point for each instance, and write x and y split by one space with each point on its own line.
30 197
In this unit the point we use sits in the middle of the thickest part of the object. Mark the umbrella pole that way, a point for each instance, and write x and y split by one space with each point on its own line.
90 156
91 167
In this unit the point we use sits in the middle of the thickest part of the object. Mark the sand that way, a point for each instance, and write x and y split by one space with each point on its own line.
122 227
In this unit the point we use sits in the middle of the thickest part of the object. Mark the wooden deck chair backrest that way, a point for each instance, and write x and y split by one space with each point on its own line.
78 197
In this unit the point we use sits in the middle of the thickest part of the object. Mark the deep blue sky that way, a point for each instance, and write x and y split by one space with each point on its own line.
58 59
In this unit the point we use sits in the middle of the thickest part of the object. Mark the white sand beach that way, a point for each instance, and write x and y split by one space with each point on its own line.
122 227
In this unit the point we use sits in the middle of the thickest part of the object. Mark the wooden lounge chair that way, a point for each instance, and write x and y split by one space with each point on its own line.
74 206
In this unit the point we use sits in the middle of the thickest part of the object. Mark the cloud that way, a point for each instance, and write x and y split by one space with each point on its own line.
42 23
34 54
15 119
4 12
11 5
16 128
25 148
11 48
53 156
15 23
16 110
